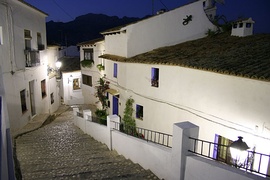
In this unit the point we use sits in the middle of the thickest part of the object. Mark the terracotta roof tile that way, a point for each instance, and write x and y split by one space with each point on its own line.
239 56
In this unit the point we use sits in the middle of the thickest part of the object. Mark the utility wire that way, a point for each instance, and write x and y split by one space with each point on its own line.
164 5
63 10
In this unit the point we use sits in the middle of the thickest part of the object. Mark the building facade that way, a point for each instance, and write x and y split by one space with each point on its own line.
220 90
24 62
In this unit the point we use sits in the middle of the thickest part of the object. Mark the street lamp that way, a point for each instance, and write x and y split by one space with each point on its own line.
239 152
58 64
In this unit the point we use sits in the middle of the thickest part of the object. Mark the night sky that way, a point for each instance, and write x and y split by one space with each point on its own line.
68 10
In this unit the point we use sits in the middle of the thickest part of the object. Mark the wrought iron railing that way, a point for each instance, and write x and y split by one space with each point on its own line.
80 114
255 162
98 120
144 134
32 58
93 119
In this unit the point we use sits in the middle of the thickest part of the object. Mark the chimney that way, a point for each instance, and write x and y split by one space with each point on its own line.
242 27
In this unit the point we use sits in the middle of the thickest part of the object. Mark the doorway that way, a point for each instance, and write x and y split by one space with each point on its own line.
32 97
115 105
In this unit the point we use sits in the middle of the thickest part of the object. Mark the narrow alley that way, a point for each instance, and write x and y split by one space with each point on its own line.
60 150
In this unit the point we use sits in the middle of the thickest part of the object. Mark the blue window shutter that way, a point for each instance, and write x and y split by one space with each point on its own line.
115 70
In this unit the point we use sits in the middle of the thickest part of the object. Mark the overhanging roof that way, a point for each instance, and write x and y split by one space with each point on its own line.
247 57
113 92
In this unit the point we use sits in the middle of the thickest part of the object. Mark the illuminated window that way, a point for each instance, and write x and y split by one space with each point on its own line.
155 77
115 70
139 111
23 101
43 88
76 84
87 80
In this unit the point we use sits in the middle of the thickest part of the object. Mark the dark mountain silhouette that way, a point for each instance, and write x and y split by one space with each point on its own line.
83 28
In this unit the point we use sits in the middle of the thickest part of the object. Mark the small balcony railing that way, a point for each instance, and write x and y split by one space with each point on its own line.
255 162
145 134
41 47
32 58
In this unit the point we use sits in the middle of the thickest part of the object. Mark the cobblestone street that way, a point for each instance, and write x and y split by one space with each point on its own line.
60 150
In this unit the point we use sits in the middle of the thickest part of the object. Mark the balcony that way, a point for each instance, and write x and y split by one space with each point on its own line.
41 47
32 58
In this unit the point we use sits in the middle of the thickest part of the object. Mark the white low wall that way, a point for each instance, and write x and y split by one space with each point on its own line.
174 163
148 155
97 131
199 168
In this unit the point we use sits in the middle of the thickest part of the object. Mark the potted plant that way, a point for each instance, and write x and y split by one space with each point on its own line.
87 63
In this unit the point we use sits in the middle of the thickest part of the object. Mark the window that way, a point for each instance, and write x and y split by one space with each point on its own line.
27 39
139 111
76 84
88 54
240 25
204 3
39 42
155 77
87 80
115 70
1 35
23 101
52 98
248 25
43 88
222 153
234 25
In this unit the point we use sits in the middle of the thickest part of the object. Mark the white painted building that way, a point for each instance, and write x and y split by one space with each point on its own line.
185 23
29 90
243 27
226 96
91 50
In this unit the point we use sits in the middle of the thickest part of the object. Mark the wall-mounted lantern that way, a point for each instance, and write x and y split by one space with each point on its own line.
58 65
239 152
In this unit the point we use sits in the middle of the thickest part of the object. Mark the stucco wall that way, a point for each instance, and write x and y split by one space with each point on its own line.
167 29
72 96
198 168
16 18
116 44
231 106
88 91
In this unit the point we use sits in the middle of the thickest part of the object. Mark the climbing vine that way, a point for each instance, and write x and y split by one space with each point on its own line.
103 85
128 113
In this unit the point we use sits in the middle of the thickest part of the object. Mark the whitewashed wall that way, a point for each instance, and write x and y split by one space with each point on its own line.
70 95
206 169
159 31
219 104
167 163
167 29
116 44
15 76
88 91
53 88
